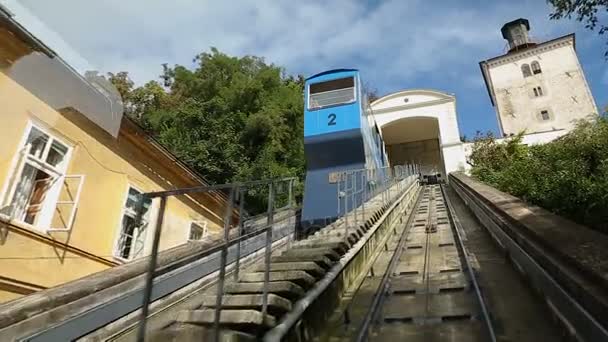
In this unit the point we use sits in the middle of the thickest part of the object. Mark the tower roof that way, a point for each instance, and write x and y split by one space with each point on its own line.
519 21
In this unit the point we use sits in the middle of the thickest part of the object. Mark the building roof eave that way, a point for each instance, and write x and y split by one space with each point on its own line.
440 95
482 67
6 18
537 46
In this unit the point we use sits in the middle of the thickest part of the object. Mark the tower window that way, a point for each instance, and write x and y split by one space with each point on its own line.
544 115
536 68
538 91
525 69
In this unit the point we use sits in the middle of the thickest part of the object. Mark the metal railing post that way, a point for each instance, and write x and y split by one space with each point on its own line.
354 200
390 184
141 334
290 194
223 257
339 197
346 227
270 221
241 197
364 195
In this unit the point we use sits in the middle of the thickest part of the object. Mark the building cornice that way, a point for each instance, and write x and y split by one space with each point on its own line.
531 51
412 105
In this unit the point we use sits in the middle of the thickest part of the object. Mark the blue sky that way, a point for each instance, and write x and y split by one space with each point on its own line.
396 44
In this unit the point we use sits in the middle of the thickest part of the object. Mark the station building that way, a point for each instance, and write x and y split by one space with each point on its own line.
71 170
420 126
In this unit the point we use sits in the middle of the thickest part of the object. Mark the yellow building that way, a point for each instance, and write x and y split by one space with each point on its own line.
71 170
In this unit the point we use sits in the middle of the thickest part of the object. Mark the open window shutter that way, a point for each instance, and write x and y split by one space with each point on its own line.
67 204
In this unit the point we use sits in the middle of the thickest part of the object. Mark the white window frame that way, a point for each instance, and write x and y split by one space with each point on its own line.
74 203
23 158
142 232
200 223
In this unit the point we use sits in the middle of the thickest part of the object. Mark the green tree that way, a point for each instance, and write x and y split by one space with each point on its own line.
229 118
585 11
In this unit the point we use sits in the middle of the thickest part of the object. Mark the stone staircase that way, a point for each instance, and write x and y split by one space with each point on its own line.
293 272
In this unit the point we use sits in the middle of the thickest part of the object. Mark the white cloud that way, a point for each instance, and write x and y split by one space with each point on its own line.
394 42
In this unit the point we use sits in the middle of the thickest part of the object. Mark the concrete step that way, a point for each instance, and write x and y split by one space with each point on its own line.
285 289
328 240
298 277
327 252
277 305
309 267
340 246
196 333
320 260
249 321
341 231
353 235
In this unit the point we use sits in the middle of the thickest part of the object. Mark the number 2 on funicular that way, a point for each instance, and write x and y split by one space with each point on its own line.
331 117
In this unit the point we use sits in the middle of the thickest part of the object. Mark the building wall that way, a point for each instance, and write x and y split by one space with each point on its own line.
426 153
566 94
42 259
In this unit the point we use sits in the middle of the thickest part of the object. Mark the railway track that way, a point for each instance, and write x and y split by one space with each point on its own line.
428 291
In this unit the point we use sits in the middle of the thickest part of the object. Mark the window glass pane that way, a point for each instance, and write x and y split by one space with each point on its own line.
525 69
545 115
56 153
126 237
332 92
196 232
23 191
132 199
38 141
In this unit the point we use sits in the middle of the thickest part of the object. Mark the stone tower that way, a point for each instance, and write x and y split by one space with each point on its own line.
537 87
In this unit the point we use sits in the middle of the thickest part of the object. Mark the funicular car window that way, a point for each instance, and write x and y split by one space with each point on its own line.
332 92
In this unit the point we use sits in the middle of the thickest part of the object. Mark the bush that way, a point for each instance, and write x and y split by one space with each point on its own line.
568 176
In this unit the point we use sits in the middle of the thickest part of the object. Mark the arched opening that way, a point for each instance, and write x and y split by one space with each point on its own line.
415 140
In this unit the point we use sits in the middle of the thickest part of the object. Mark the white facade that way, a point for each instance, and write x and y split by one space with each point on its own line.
551 97
421 126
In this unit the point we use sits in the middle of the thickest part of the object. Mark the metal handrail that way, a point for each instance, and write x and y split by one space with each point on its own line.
235 189
207 188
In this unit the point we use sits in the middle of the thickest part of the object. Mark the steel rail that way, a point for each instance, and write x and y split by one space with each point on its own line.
384 283
465 256
291 318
